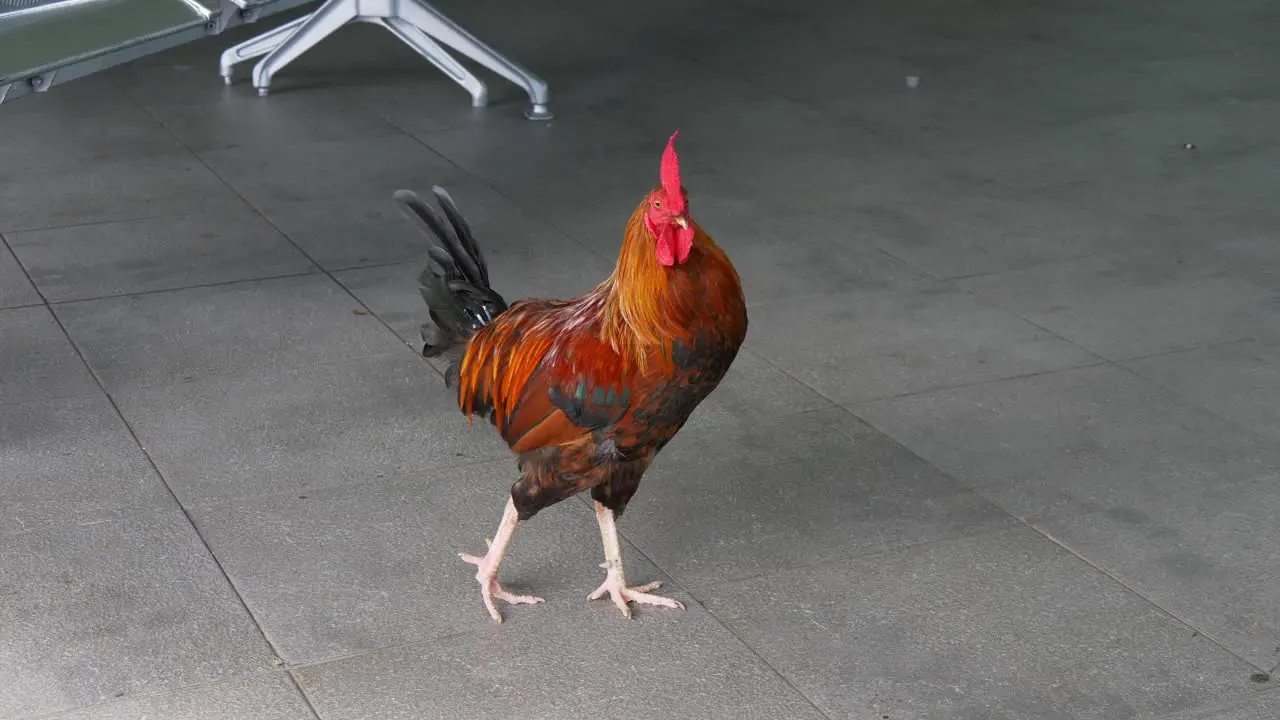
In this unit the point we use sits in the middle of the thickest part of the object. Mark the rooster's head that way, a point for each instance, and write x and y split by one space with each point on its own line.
667 214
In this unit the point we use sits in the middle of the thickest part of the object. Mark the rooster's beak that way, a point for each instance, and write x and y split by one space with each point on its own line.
682 221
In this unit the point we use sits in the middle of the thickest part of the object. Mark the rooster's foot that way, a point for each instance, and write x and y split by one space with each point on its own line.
616 585
491 589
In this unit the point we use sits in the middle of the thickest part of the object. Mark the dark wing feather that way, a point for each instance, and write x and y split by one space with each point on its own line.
560 403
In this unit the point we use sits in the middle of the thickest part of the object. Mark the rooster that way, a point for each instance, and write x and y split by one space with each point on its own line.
587 391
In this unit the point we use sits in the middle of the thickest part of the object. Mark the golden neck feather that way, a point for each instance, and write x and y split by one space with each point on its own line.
641 312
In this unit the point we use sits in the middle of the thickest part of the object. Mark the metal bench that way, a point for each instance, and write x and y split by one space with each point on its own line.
44 43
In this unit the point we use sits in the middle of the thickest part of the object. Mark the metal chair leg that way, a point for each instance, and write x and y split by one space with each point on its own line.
415 22
438 56
322 23
436 24
256 47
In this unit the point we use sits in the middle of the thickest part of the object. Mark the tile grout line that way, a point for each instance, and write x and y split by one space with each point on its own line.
297 684
1022 521
225 283
306 699
426 475
92 223
862 554
321 269
1105 362
1029 523
161 291
160 475
151 694
577 242
1120 364
1160 609
502 194
1237 424
721 623
330 274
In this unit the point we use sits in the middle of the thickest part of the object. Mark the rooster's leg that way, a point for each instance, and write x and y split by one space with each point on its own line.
487 572
615 581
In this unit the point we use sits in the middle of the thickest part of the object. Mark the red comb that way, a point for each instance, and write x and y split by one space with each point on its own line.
670 170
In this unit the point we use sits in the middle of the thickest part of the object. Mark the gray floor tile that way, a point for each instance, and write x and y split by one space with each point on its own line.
1187 202
227 330
982 230
1253 255
824 264
301 428
1263 706
165 253
1126 306
120 189
272 697
391 292
70 460
1042 155
485 142
805 65
1171 499
351 233
1204 552
36 359
877 344
1239 381
617 89
1039 445
115 609
706 110
370 168
753 387
89 123
864 171
962 629
421 100
376 565
780 255
1145 144
738 494
15 289
244 120
583 664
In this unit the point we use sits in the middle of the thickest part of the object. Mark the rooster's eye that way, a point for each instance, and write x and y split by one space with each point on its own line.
657 203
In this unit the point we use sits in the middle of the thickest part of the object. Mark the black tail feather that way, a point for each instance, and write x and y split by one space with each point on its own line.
455 281
463 230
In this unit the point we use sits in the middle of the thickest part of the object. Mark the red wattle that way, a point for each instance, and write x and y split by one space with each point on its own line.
666 253
684 243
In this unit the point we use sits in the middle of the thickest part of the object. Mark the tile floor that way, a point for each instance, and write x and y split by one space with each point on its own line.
1004 443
